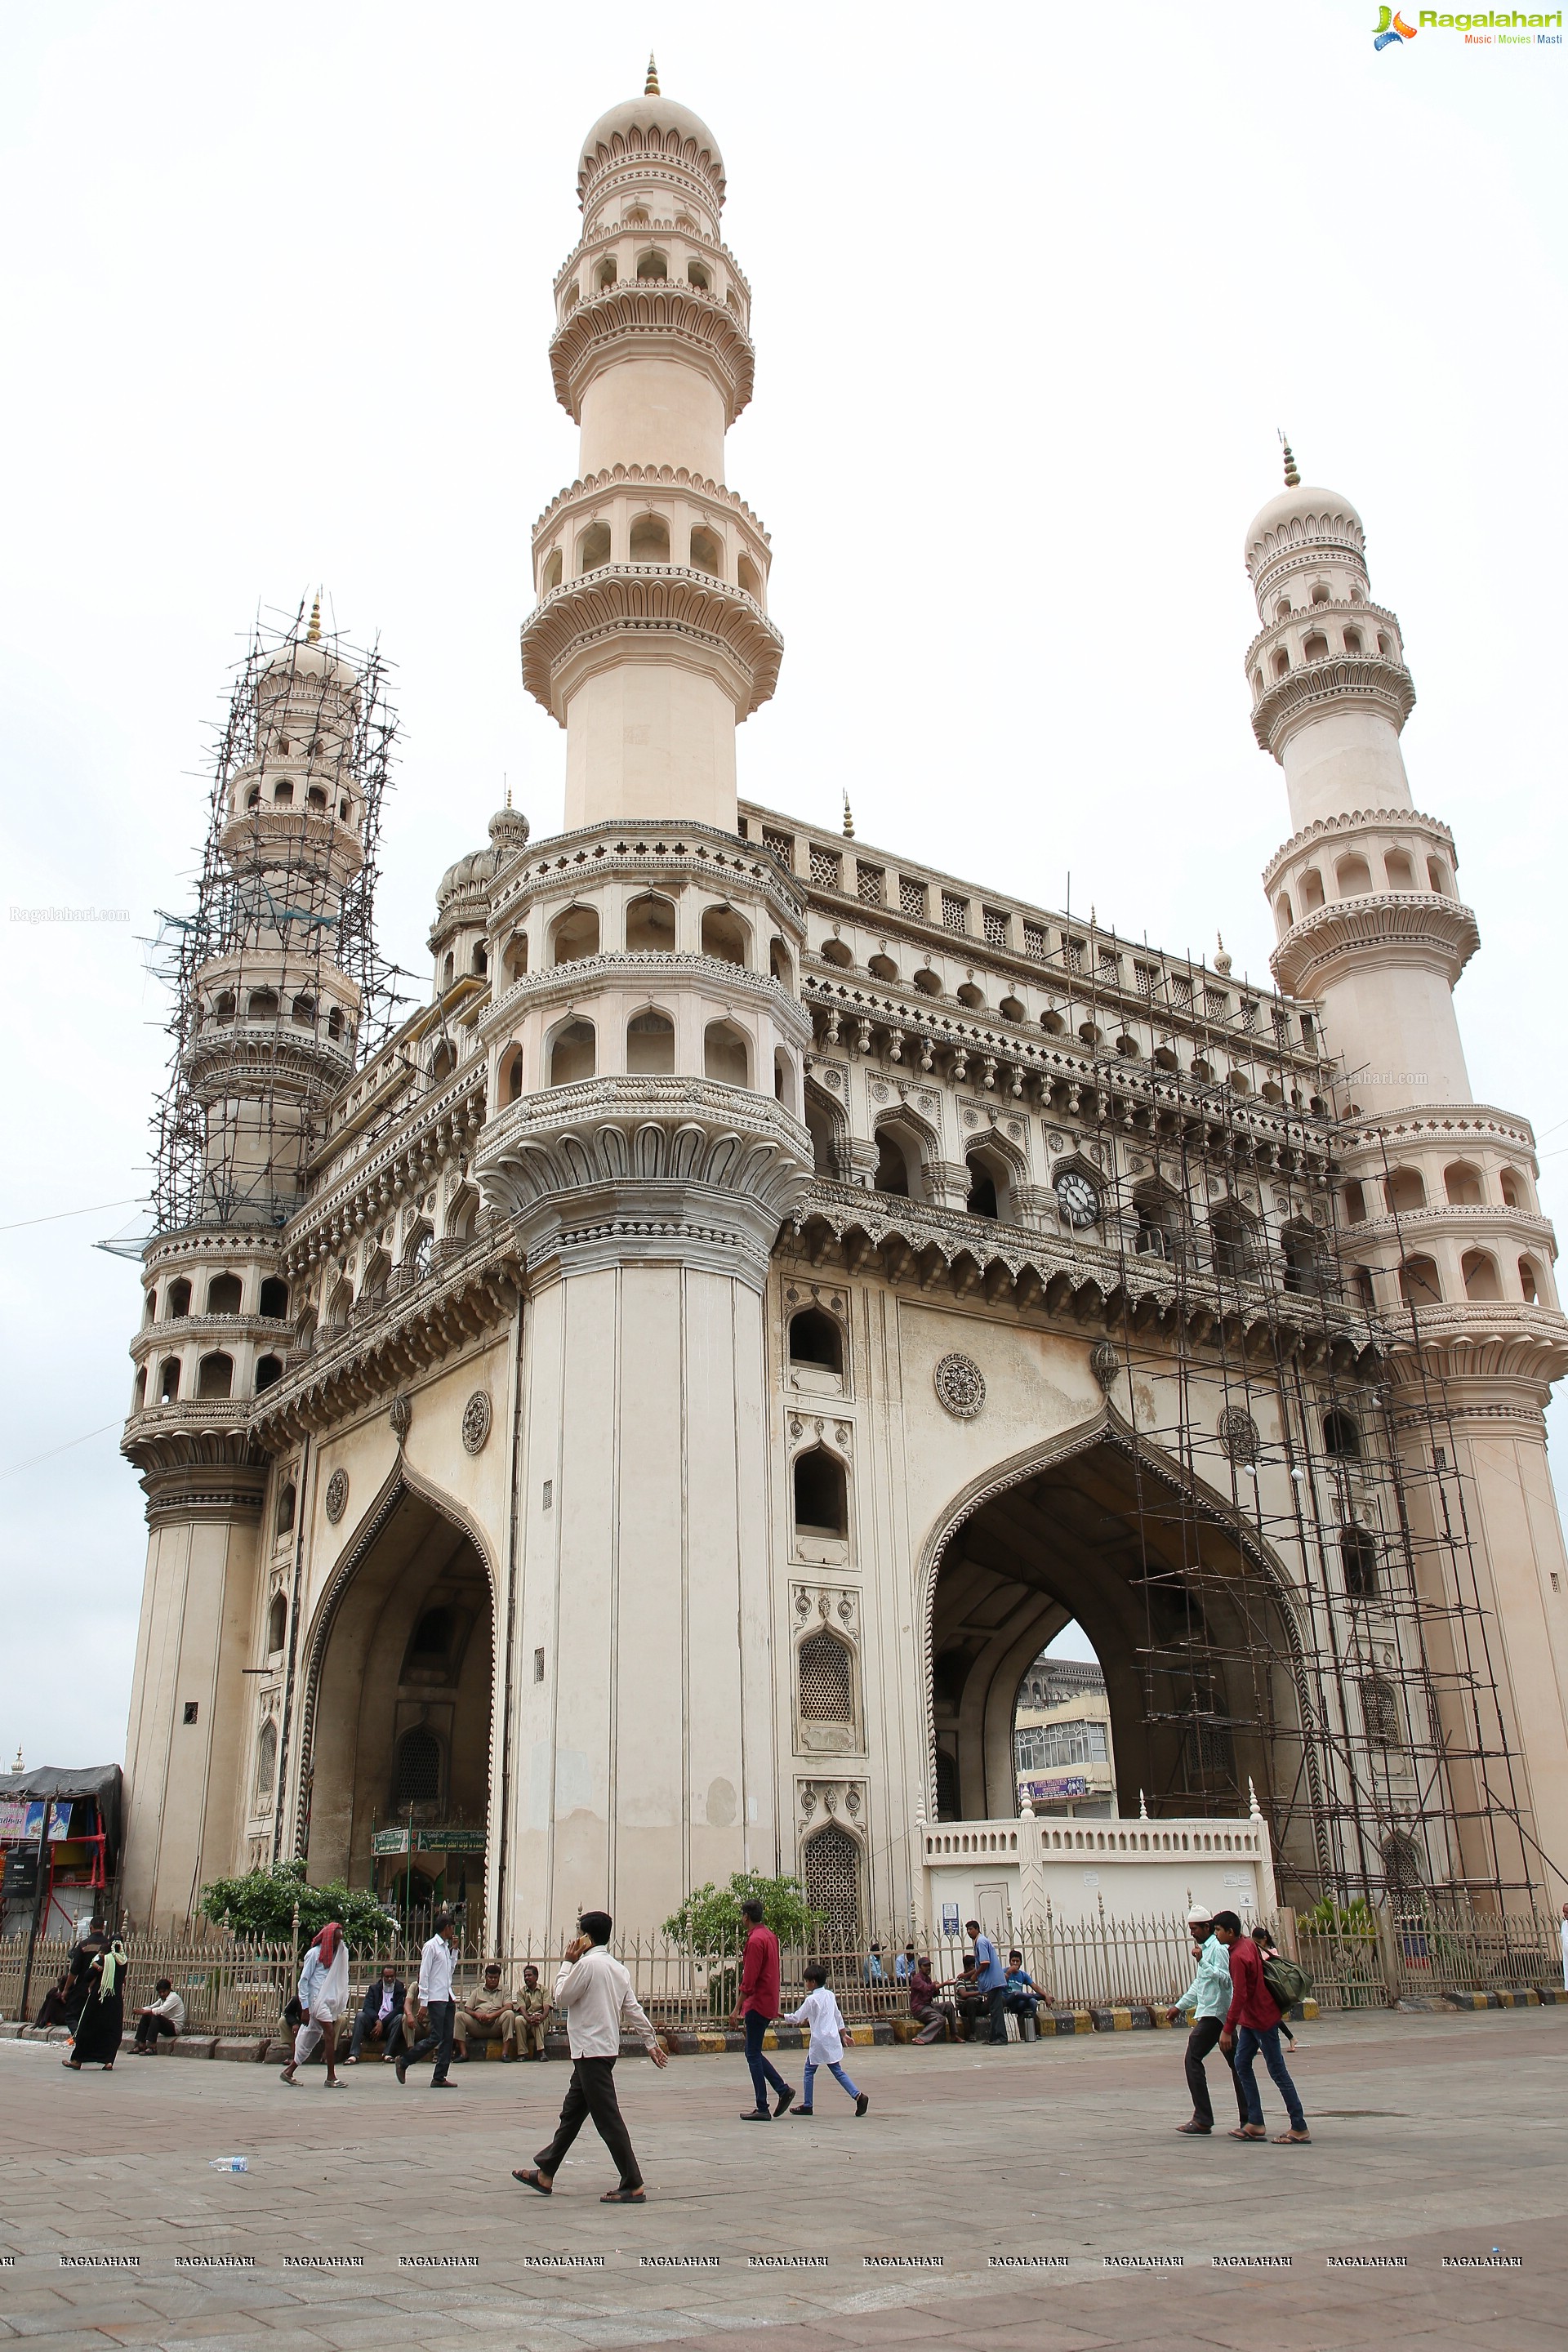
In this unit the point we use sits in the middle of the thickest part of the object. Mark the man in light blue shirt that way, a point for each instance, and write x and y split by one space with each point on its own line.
1209 1996
991 1979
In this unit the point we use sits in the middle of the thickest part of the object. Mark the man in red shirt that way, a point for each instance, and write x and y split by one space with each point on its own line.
759 2005
1252 2024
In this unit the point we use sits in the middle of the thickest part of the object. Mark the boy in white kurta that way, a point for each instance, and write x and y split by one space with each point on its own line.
820 2013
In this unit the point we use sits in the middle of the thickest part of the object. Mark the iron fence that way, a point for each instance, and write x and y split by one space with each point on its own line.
234 1986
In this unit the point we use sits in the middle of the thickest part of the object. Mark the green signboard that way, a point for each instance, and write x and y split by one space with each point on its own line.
428 1842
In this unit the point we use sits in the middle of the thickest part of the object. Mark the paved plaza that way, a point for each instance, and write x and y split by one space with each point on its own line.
1434 2137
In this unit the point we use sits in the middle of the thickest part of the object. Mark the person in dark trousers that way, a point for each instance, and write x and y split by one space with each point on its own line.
596 1992
991 1979
434 1992
163 2017
759 2005
380 2017
1208 2000
55 2007
1251 2024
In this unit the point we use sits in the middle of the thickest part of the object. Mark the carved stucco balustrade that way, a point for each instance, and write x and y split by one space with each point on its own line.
610 613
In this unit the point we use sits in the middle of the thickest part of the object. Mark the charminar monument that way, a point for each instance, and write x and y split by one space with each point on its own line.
640 1417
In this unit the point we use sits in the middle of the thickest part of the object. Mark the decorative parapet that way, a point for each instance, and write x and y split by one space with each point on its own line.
1414 920
1367 680
654 478
1356 821
666 609
696 853
652 318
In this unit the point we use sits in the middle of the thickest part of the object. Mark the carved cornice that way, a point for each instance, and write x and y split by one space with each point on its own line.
1458 1341
403 1162
663 609
1356 821
1364 681
159 1338
625 1168
1470 1222
1304 535
643 145
602 233
693 853
244 1057
270 836
1444 1123
1303 616
1413 922
674 478
652 318
196 1469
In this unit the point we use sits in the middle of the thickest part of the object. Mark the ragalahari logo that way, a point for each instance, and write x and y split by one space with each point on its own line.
1392 29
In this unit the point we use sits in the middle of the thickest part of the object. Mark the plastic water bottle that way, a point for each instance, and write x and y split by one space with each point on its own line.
228 2164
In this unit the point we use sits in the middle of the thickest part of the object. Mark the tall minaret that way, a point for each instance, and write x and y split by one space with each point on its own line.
1443 1224
270 1020
647 1047
651 641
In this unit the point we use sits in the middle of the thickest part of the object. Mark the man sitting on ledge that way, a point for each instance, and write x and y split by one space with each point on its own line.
166 2015
380 2017
489 2015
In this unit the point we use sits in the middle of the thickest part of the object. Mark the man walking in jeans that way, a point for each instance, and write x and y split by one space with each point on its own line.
1208 1998
434 1993
1251 2024
759 2005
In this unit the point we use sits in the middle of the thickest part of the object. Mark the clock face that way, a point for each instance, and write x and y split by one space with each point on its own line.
1077 1198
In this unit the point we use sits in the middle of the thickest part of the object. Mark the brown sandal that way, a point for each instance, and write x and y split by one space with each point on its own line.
623 2197
1247 2133
1293 2139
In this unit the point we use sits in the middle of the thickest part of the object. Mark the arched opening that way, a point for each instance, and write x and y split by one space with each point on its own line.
223 1008
335 1023
1438 875
1353 643
303 1012
1316 648
480 962
1420 1285
1479 1270
1512 1188
1402 1866
399 1709
1398 870
1462 1183
274 1298
276 1622
974 998
261 1004
1283 918
1380 1713
1062 1751
724 935
781 965
697 275
1168 1604
1305 1269
283 1524
214 1375
726 1054
1159 1227
817 1339
551 577
830 1865
650 1045
463 1215
268 1370
1353 877
649 541
594 548
837 951
574 1054
1310 892
574 935
443 1061
1281 662
339 1304
1529 1282
1342 1437
892 1165
1358 1557
650 925
265 1784
604 276
509 1088
223 1295
707 555
169 1380
418 1252
825 1691
882 966
1233 1237
1406 1191
828 1128
750 578
655 266
821 1494
785 1089
515 962
990 1186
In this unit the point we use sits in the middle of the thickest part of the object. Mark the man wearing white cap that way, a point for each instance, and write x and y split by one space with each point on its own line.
1208 1995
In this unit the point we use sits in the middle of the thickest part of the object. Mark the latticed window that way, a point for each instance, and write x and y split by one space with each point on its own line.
995 924
1110 966
955 912
1281 1021
1182 989
1073 952
870 884
1208 1752
1380 1710
417 1776
826 1680
1249 1012
912 896
780 846
1217 1005
1036 941
833 1883
826 867
1146 978
266 1768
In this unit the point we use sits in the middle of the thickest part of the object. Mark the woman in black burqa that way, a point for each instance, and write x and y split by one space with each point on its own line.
101 1964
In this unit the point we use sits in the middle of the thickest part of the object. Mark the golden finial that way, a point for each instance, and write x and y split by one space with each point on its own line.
650 86
1292 478
848 820
313 633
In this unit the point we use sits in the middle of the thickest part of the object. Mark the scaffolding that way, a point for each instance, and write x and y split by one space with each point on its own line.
294 994
1365 1687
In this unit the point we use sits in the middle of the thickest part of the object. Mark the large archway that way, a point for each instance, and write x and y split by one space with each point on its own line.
400 1677
1185 1613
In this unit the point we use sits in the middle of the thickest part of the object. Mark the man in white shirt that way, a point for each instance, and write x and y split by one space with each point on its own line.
434 1993
166 2015
596 1992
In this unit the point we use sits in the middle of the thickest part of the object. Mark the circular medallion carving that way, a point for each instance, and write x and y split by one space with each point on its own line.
959 1385
400 1416
879 1093
337 1496
1239 1434
476 1421
1105 1364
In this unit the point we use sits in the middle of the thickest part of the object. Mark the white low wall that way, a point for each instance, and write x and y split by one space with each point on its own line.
1003 1872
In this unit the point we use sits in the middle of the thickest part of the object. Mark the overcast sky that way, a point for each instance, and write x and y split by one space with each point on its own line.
1033 289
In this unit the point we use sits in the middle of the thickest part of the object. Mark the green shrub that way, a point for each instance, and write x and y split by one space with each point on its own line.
261 1903
710 1919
